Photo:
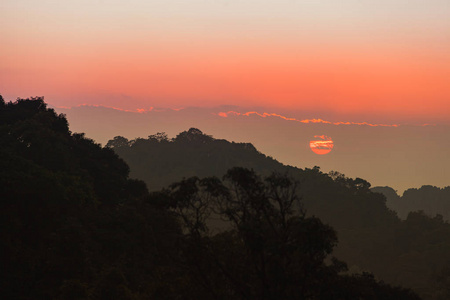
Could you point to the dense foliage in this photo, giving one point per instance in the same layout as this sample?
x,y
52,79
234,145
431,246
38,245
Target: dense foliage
x,y
159,161
265,247
372,238
74,226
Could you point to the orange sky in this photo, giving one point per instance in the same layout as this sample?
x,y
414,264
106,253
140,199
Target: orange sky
x,y
343,80
389,58
282,72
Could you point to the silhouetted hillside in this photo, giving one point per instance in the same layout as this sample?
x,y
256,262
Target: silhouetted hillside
x,y
159,161
429,199
346,203
74,226
371,236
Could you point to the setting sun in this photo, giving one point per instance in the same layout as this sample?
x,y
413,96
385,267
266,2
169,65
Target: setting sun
x,y
321,144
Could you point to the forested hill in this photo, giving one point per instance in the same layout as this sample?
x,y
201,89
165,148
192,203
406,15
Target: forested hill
x,y
74,226
429,199
344,202
413,253
159,161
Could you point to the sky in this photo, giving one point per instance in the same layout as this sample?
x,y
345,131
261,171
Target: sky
x,y
380,62
353,56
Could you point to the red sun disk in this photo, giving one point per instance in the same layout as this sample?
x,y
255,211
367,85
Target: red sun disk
x,y
321,145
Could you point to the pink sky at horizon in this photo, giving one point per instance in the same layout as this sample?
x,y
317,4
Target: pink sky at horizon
x,y
358,61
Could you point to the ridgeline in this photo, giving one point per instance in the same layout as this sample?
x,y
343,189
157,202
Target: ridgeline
x,y
74,225
414,252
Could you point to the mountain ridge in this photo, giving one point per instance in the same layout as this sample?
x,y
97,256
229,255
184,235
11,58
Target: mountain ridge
x,y
371,235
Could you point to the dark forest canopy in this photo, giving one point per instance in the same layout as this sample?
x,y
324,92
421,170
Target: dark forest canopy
x,y
371,236
266,248
73,224
159,161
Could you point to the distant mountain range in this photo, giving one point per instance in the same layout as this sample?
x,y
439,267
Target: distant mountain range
x,y
429,199
75,226
401,157
371,235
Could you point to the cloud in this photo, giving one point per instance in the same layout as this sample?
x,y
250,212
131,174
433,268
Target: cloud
x,y
232,113
305,121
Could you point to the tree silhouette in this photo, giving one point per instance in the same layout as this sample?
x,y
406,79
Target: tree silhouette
x,y
371,236
73,225
268,248
70,216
